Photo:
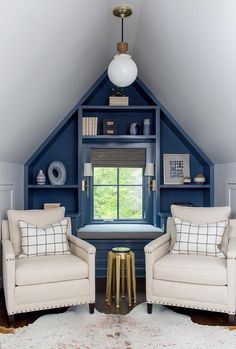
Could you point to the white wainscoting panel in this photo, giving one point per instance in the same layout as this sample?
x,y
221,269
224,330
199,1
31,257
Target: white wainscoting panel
x,y
231,198
6,199
6,203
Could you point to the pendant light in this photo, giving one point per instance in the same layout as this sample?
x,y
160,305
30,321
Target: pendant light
x,y
122,71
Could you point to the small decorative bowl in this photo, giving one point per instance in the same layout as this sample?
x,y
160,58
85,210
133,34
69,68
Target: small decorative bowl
x,y
200,179
187,180
121,249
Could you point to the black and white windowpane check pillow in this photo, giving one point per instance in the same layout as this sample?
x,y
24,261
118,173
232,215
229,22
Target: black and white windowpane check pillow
x,y
51,240
204,239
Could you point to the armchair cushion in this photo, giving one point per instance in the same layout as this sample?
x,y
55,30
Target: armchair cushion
x,y
51,240
191,269
45,269
41,218
199,239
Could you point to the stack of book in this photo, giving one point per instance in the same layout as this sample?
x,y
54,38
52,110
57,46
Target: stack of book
x,y
118,100
89,126
51,205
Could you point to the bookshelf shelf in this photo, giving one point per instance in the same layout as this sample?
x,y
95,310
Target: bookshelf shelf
x,y
118,107
48,186
185,186
119,138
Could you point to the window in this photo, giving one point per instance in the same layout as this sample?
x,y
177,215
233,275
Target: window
x,y
118,193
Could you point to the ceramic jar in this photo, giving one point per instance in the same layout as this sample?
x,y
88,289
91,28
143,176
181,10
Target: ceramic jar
x,y
200,179
146,127
41,178
187,180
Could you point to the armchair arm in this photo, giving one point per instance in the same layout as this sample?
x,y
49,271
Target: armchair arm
x,y
231,254
153,245
155,250
82,246
7,251
8,273
231,271
87,252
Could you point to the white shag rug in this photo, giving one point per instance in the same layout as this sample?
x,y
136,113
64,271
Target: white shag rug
x,y
77,329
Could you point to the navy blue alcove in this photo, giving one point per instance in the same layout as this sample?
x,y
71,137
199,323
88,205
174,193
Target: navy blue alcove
x,y
67,144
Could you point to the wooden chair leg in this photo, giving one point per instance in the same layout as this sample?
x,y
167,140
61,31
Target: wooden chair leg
x,y
231,319
149,308
11,319
91,308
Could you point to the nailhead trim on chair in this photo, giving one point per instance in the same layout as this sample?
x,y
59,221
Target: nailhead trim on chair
x,y
10,259
232,258
51,307
191,307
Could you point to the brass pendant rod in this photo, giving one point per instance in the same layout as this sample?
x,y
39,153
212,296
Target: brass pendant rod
x,y
122,28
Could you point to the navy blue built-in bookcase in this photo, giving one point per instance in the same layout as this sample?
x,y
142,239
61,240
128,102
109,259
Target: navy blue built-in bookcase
x,y
68,145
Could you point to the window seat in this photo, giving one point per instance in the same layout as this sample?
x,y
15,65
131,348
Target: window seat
x,y
119,232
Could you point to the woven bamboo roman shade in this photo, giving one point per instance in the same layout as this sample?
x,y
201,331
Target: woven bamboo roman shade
x,y
117,157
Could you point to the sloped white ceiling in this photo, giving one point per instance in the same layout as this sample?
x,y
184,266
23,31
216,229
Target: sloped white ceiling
x,y
186,54
52,51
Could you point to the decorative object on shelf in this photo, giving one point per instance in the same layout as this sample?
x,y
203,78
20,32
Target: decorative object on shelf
x,y
88,172
118,98
47,206
122,71
57,173
176,167
41,178
199,179
120,249
89,126
135,129
150,173
109,127
146,127
187,204
187,180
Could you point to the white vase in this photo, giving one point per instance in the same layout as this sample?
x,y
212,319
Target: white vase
x,y
41,178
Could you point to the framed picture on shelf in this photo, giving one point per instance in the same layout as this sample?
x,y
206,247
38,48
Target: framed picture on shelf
x,y
176,167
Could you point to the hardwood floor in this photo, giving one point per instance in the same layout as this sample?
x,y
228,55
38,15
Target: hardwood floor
x,y
197,316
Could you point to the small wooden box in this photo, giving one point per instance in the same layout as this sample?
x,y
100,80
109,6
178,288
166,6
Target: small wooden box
x,y
109,127
118,100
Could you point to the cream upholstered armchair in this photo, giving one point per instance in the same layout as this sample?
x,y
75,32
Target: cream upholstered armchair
x,y
193,281
43,282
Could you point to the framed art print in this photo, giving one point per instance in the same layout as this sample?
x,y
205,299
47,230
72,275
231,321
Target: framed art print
x,y
176,167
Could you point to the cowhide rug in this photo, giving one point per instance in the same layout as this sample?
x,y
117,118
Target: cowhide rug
x,y
77,329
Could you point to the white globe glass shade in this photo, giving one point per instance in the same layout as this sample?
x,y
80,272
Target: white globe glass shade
x,y
122,71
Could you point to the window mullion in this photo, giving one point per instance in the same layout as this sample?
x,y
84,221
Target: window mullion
x,y
118,194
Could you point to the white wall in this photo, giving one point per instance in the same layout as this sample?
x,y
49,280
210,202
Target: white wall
x,y
225,185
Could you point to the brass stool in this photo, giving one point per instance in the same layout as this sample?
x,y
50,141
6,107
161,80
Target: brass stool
x,y
120,258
